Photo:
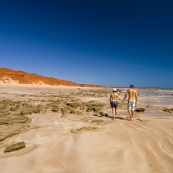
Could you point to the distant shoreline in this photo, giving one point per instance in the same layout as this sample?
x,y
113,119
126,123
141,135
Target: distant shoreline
x,y
87,86
137,87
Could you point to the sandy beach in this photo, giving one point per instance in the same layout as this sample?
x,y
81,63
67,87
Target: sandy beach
x,y
71,130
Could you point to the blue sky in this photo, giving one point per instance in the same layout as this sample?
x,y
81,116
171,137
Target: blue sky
x,y
106,42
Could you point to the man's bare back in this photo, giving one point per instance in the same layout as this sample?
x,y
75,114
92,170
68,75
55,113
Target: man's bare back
x,y
132,94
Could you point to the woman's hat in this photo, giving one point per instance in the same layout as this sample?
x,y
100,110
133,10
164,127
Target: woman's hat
x,y
114,89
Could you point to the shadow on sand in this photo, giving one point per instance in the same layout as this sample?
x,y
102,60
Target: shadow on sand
x,y
111,117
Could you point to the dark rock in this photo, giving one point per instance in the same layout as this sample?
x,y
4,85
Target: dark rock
x,y
140,109
55,109
167,110
14,147
103,114
73,105
72,111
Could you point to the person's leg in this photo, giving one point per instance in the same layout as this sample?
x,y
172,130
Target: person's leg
x,y
129,108
113,112
130,113
133,109
116,112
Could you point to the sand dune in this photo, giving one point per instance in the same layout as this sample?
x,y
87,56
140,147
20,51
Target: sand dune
x,y
144,145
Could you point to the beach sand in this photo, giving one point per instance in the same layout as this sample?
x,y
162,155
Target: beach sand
x,y
84,141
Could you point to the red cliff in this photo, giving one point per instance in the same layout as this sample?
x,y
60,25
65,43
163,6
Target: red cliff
x,y
13,76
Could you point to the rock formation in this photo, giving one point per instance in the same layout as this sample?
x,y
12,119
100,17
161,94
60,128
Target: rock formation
x,y
20,77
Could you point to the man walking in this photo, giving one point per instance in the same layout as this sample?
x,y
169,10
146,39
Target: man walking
x,y
132,100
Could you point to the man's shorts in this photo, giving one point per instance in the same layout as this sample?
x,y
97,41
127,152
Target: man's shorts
x,y
131,105
114,104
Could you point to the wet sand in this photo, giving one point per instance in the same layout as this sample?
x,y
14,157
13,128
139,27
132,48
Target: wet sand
x,y
87,142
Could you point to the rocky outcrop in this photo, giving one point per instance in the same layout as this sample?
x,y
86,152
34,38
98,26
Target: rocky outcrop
x,y
140,109
6,80
20,77
168,110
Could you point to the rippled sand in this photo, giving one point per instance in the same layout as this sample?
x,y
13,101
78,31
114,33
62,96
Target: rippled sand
x,y
144,145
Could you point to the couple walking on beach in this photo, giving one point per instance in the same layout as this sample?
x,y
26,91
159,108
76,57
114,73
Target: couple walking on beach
x,y
132,101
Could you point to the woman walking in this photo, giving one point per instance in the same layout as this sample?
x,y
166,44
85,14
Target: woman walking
x,y
114,102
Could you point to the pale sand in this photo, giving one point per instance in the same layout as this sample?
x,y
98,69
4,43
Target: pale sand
x,y
118,146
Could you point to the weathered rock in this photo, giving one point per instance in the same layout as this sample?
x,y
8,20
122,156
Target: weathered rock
x,y
13,109
140,109
55,109
99,121
72,111
84,129
103,114
73,105
14,147
167,110
63,111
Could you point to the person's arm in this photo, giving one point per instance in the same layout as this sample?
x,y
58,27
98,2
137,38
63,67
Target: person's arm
x,y
110,98
136,97
125,95
119,98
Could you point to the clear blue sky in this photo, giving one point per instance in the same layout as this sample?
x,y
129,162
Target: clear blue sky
x,y
106,42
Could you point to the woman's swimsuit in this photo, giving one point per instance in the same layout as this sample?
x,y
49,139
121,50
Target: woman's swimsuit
x,y
114,103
